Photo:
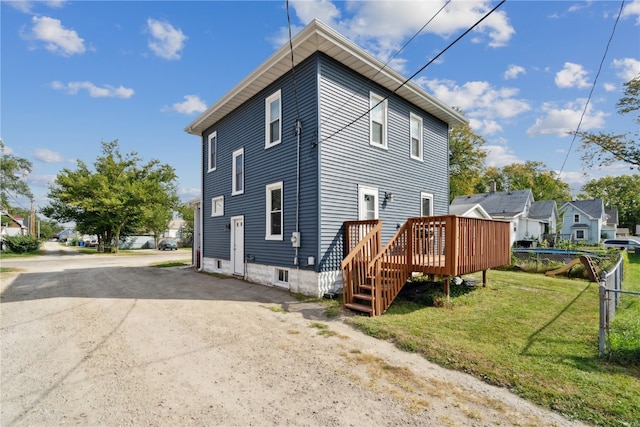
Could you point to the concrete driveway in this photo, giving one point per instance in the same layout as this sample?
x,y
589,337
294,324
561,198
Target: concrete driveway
x,y
108,340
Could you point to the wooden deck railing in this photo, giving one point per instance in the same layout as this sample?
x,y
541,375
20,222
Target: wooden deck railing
x,y
440,245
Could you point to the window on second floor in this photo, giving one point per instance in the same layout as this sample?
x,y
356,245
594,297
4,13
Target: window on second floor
x,y
378,121
416,136
273,120
576,218
213,151
274,211
237,186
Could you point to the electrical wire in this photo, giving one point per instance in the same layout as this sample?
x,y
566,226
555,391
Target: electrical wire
x,y
404,46
595,80
351,123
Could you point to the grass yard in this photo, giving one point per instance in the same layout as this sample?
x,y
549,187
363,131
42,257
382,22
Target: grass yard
x,y
535,335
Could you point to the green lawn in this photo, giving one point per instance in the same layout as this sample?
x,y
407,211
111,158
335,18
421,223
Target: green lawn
x,y
534,334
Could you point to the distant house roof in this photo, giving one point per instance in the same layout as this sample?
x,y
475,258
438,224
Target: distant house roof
x,y
468,209
593,208
612,216
543,209
503,203
318,37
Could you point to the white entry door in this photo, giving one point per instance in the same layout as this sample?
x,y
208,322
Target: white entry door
x,y
367,203
237,244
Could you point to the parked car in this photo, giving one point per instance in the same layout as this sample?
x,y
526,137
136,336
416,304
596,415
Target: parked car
x,y
167,244
626,243
90,241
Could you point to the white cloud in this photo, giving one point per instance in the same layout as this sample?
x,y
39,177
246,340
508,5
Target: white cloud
x,y
55,37
609,87
27,6
191,104
574,179
188,193
48,156
560,121
481,102
94,91
628,68
167,41
500,155
42,180
632,9
572,75
513,71
381,26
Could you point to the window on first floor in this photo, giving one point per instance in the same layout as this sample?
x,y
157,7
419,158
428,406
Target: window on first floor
x,y
237,186
426,204
217,206
274,211
579,234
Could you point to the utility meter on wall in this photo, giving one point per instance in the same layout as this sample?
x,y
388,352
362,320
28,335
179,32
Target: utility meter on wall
x,y
295,239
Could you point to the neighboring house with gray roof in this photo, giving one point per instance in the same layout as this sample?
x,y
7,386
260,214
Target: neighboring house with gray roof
x,y
610,227
583,220
530,219
472,210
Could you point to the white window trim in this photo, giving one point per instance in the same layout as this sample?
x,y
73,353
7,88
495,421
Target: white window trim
x,y
212,136
426,196
374,99
269,189
420,137
363,191
267,120
234,190
277,276
213,206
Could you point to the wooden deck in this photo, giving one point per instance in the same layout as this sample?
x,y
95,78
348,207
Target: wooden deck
x,y
444,246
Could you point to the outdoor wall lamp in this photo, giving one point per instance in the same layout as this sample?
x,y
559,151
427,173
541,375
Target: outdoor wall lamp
x,y
388,197
227,227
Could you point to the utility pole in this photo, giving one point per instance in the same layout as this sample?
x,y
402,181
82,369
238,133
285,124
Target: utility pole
x,y
32,220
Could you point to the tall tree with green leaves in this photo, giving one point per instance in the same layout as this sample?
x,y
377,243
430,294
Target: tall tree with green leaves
x,y
187,214
618,192
13,177
544,184
114,200
602,148
466,160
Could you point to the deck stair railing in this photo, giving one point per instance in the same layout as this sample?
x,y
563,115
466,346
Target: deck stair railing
x,y
445,246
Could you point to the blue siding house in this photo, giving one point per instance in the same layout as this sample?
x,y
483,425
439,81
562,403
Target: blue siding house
x,y
312,138
583,220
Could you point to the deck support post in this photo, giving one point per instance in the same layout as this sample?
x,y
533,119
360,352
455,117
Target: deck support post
x,y
446,287
484,278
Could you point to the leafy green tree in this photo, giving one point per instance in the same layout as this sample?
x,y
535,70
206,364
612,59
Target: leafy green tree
x,y
186,213
13,173
618,192
114,200
544,184
602,148
466,160
156,218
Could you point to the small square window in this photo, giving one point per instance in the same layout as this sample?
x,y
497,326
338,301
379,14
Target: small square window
x,y
576,218
217,206
238,172
283,276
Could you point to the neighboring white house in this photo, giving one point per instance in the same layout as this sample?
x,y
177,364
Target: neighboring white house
x,y
11,225
530,220
610,226
583,220
175,230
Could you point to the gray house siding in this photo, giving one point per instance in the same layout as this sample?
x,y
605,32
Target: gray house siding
x,y
245,128
348,160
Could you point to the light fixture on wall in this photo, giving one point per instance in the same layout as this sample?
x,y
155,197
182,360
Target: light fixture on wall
x,y
388,197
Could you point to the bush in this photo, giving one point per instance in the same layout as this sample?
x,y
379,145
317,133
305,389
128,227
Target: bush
x,y
22,244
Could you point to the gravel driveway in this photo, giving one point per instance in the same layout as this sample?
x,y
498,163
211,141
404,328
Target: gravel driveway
x,y
107,340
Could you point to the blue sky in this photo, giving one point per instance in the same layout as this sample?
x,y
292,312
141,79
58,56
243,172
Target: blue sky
x,y
78,73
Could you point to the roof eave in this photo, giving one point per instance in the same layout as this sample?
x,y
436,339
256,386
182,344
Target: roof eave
x,y
313,38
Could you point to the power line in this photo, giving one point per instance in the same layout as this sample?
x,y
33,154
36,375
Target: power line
x,y
586,105
393,57
416,73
